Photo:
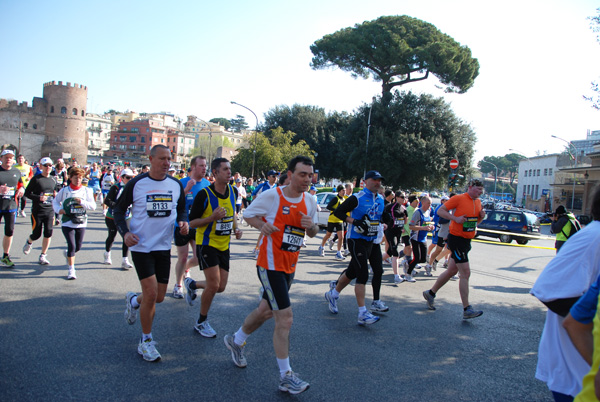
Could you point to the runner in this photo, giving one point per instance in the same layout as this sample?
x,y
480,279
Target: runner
x,y
26,175
366,208
419,227
192,185
73,202
108,180
94,175
468,213
441,250
11,189
264,186
413,202
334,224
157,201
394,216
110,200
41,191
214,217
283,216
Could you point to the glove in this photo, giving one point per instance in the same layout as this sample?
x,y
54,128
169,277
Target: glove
x,y
361,226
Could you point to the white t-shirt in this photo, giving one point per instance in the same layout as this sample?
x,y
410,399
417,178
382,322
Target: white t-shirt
x,y
241,194
570,273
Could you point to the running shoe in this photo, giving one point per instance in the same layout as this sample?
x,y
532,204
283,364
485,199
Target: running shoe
x,y
427,271
388,261
190,295
409,278
346,252
205,330
71,274
292,383
27,247
107,259
434,265
332,302
178,292
6,261
430,299
321,251
379,307
455,278
125,264
405,266
445,264
339,256
23,213
43,260
148,350
332,285
330,243
367,318
398,279
470,313
130,312
237,351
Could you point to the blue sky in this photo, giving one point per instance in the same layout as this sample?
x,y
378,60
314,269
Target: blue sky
x,y
193,57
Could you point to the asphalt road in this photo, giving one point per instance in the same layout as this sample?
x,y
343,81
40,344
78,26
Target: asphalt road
x,y
68,340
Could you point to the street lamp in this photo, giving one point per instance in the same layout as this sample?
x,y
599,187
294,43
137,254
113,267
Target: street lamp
x,y
495,176
575,149
368,130
255,131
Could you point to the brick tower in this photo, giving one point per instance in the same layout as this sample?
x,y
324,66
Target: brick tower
x,y
65,121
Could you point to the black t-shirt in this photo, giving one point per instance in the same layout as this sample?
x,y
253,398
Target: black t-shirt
x,y
11,178
38,186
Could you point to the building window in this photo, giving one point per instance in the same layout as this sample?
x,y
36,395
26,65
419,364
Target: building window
x,y
162,140
63,110
545,172
51,109
123,138
529,172
525,175
131,139
538,172
74,112
550,171
537,189
25,125
35,126
143,139
83,113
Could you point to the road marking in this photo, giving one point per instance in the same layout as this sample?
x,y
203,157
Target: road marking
x,y
512,245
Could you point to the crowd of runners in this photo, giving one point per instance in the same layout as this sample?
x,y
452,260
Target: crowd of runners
x,y
156,206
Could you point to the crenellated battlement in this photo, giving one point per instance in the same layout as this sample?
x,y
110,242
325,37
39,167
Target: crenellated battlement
x,y
68,85
14,105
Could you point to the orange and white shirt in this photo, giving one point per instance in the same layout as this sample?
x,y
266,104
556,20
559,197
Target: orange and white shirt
x,y
280,250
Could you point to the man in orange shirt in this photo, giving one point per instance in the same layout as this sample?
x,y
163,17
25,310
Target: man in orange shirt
x,y
467,214
283,215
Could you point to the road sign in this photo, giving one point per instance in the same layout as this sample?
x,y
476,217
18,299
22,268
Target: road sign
x,y
454,163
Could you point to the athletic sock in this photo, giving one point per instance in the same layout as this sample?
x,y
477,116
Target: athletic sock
x,y
335,293
146,336
362,309
431,293
202,318
5,255
284,366
240,337
134,302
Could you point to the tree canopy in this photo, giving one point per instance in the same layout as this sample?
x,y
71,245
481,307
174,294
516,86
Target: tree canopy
x,y
238,124
508,165
595,99
273,151
222,121
397,50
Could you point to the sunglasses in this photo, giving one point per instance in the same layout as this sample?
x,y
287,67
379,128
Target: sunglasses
x,y
48,165
128,177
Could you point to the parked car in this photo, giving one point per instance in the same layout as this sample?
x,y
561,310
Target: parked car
x,y
323,215
512,222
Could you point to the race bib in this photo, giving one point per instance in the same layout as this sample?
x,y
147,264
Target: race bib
x,y
159,205
470,224
373,228
10,192
223,227
49,199
399,222
292,239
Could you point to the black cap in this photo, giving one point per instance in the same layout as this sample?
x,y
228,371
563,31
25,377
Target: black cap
x,y
561,210
373,174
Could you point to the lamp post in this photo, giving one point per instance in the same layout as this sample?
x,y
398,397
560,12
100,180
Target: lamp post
x,y
574,149
255,131
495,176
368,131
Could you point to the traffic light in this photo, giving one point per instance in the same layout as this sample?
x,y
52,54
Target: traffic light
x,y
451,178
457,179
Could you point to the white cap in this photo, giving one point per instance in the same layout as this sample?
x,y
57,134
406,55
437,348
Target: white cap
x,y
127,172
45,161
7,152
172,169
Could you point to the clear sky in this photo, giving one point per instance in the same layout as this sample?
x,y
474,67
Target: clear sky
x,y
193,57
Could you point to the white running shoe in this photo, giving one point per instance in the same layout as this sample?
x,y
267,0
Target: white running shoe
x,y
292,383
107,259
367,318
339,256
237,351
130,312
190,294
409,278
205,329
379,306
178,292
321,251
398,279
346,252
125,264
23,213
434,266
332,301
148,350
71,274
330,243
43,260
27,247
